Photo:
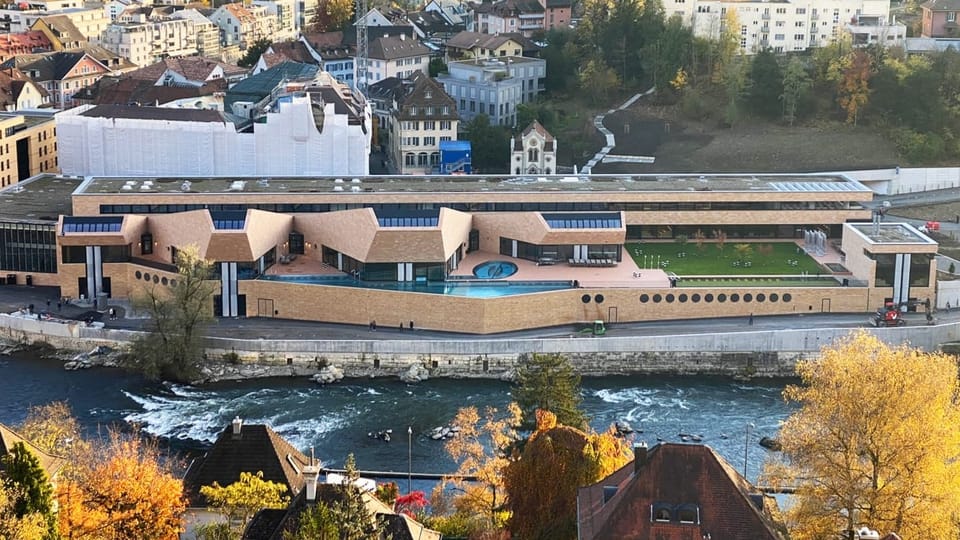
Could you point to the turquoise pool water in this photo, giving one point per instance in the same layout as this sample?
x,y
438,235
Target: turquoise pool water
x,y
473,289
494,270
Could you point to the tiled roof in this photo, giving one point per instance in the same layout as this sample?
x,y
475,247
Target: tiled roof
x,y
295,51
941,5
426,92
129,91
48,66
535,126
677,475
240,13
432,22
64,29
509,8
257,449
168,114
393,47
193,68
559,4
24,42
50,463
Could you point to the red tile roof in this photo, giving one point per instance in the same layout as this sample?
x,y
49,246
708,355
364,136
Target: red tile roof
x,y
23,43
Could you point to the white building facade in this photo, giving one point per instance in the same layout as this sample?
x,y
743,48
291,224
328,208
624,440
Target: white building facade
x,y
147,42
535,152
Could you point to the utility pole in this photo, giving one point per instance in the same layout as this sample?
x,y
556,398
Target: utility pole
x,y
746,448
409,459
360,16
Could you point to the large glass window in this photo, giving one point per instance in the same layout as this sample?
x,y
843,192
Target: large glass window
x,y
886,267
28,247
73,254
114,254
379,272
920,270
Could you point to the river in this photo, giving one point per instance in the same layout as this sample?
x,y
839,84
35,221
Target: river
x,y
336,419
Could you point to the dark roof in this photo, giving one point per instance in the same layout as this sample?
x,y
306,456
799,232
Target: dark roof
x,y
46,66
469,40
40,200
385,89
393,47
259,86
941,5
433,22
129,91
169,114
557,4
548,139
508,8
12,83
425,92
295,51
256,449
8,438
677,475
64,29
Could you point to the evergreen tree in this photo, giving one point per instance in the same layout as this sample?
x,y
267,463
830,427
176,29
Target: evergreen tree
x,y
23,469
548,382
766,84
490,143
350,511
254,51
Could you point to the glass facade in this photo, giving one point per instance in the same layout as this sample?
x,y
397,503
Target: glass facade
x,y
558,252
28,247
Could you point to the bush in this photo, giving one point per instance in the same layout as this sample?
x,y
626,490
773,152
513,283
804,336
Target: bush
x,y
919,147
231,357
694,106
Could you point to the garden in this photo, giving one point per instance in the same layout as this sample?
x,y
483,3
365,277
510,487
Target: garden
x,y
718,257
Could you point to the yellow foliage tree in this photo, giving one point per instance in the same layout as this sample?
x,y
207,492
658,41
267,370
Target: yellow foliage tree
x,y
121,490
53,428
852,76
679,81
556,460
875,442
480,449
242,499
28,527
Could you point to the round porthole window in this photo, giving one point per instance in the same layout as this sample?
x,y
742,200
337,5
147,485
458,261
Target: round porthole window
x,y
721,297
657,298
173,283
774,297
644,298
156,279
585,299
761,297
748,297
598,298
670,298
146,277
695,298
683,298
164,280
138,274
734,297
787,297
708,298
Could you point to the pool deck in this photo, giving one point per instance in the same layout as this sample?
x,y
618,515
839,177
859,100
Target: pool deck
x,y
620,276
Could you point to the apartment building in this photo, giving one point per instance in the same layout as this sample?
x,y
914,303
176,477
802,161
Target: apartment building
x,y
786,26
494,87
422,116
397,56
23,43
208,34
18,92
28,146
286,24
145,42
242,25
61,74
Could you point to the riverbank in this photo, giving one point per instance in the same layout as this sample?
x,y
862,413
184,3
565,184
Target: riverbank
x,y
746,353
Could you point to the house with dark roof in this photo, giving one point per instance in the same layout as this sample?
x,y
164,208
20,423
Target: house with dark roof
x,y
433,26
479,45
395,56
494,17
286,51
50,463
168,80
421,116
676,491
534,152
17,91
61,74
939,19
337,52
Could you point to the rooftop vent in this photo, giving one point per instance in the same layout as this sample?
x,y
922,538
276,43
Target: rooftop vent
x,y
338,188
338,181
356,180
355,189
185,186
126,187
237,185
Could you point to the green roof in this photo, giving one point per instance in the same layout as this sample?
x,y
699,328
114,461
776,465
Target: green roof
x,y
256,87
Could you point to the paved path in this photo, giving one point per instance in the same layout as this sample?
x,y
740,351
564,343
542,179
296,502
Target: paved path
x,y
611,141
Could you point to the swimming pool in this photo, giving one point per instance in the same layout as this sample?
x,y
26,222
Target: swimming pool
x,y
472,289
494,270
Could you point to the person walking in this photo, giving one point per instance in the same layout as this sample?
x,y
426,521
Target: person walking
x,y
750,320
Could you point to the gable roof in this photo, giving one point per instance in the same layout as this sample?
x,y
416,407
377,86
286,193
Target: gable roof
x,y
256,448
393,47
8,438
295,51
536,127
63,29
240,12
48,66
31,41
677,475
193,68
425,92
508,8
941,5
469,40
127,90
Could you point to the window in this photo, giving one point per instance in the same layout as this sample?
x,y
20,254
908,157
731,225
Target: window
x,y
429,141
445,124
778,37
798,37
429,125
802,11
445,139
781,11
951,16
410,160
688,513
798,24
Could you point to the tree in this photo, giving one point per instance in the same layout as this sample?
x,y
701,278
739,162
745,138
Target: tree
x,y
699,238
542,484
52,427
178,315
14,527
121,489
491,144
796,83
743,251
667,56
727,46
853,83
721,238
734,82
560,56
874,441
548,382
242,499
481,450
332,15
598,81
34,494
437,66
316,522
350,510
766,84
253,53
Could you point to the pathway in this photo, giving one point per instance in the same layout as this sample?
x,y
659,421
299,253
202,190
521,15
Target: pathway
x,y
611,141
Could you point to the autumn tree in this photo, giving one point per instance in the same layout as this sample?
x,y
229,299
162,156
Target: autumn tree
x,y
242,499
852,73
796,83
556,461
17,527
171,349
548,382
874,442
333,15
34,494
598,81
743,251
481,449
699,238
721,240
123,488
727,47
53,428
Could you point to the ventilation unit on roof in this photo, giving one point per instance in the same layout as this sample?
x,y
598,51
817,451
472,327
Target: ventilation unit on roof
x,y
185,186
338,188
237,185
338,181
126,187
356,180
355,189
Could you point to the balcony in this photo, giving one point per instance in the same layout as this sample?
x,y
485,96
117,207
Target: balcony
x,y
766,16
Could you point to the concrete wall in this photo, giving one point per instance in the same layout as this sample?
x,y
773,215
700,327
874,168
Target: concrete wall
x,y
908,180
751,353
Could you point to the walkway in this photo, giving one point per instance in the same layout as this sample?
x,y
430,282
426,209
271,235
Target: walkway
x,y
611,141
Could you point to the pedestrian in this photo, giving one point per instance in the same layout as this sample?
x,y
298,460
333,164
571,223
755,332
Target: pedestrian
x,y
113,314
401,326
750,321
411,325
373,326
48,305
948,307
59,305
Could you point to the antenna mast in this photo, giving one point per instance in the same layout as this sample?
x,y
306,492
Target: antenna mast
x,y
360,14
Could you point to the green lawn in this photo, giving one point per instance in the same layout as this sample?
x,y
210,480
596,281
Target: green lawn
x,y
759,282
708,260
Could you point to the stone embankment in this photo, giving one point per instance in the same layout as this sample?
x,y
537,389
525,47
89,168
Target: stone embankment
x,y
759,353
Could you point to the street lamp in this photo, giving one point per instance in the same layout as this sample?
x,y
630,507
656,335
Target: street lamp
x,y
746,448
409,459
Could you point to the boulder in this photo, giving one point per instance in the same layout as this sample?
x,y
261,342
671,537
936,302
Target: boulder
x,y
770,443
328,375
414,374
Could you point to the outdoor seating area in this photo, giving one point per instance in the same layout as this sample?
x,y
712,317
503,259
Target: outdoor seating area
x,y
593,263
287,259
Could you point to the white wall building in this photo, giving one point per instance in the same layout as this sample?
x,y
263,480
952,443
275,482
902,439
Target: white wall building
x,y
287,139
243,25
535,152
395,56
287,26
146,42
208,34
784,26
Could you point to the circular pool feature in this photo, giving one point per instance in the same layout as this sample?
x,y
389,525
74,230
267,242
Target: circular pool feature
x,y
494,270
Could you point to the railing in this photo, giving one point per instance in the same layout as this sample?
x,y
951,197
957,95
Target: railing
x,y
155,265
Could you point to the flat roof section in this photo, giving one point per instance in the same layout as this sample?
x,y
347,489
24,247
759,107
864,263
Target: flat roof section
x,y
891,233
767,183
40,199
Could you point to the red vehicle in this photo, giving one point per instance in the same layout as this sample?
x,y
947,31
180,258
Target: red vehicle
x,y
888,315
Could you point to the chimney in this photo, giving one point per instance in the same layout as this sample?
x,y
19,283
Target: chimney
x,y
237,424
639,456
310,474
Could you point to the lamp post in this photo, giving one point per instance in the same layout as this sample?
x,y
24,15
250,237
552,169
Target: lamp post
x,y
409,459
746,448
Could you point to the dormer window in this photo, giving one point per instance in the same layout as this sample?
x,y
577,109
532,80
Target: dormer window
x,y
428,94
413,110
662,513
688,513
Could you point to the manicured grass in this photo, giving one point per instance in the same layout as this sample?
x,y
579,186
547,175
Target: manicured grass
x,y
758,282
710,261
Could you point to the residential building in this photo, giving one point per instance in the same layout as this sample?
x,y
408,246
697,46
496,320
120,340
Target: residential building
x,y
61,32
782,26
939,19
395,56
243,25
29,42
500,16
208,34
145,42
18,92
388,244
452,10
382,96
28,146
422,115
494,87
534,152
871,30
557,13
61,74
286,26
479,45
286,51
433,27
676,491
88,22
306,14
313,128
337,56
